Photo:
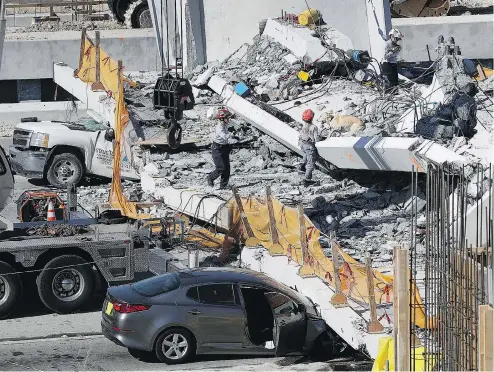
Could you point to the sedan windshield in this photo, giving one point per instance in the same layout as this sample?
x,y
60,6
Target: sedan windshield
x,y
157,285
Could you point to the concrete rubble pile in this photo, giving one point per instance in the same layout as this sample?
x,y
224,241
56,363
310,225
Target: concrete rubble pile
x,y
366,209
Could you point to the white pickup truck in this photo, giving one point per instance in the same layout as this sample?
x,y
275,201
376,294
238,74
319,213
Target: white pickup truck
x,y
6,180
64,152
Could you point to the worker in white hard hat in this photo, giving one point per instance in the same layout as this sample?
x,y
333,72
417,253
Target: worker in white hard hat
x,y
391,51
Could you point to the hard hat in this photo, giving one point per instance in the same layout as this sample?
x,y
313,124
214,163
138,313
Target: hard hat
x,y
308,115
223,114
396,33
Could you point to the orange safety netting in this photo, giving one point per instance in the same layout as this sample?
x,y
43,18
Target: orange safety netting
x,y
112,81
352,274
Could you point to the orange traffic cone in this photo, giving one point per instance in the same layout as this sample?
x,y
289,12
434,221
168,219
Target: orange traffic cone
x,y
51,212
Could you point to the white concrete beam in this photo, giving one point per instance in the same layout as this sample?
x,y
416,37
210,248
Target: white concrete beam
x,y
373,153
379,25
99,102
302,44
256,116
191,202
342,320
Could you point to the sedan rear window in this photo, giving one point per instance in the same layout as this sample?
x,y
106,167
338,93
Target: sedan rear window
x,y
157,285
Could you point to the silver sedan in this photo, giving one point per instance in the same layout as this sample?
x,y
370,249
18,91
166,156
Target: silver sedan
x,y
213,311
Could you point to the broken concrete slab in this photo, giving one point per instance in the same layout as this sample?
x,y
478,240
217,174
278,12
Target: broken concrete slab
x,y
255,115
192,202
302,44
342,320
373,153
104,106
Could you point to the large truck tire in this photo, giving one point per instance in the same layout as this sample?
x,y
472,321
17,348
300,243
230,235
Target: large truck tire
x,y
10,289
64,169
118,9
66,284
138,15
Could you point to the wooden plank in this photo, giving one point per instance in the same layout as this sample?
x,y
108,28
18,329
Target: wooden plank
x,y
338,299
97,86
481,72
374,326
306,271
81,52
276,248
251,241
486,331
401,305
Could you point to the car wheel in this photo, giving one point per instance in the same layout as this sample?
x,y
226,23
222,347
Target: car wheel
x,y
10,289
175,346
64,169
66,284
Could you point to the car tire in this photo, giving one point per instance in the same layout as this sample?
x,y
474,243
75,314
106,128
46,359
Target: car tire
x,y
10,289
176,336
68,163
66,284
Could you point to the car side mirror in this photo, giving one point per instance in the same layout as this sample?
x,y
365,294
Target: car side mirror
x,y
110,135
301,308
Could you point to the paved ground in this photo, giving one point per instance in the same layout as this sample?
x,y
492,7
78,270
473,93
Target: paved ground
x,y
98,354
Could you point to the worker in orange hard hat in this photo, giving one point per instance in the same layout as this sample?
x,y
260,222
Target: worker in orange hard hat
x,y
220,149
307,141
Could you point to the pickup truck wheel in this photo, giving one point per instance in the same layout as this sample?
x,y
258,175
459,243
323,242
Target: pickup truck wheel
x,y
64,169
66,284
10,289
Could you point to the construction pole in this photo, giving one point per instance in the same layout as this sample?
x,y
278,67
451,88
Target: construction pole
x,y
251,241
401,306
338,299
306,271
81,51
276,248
374,325
3,27
97,85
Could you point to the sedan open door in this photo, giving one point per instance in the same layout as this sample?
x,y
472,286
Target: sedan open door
x,y
290,323
6,180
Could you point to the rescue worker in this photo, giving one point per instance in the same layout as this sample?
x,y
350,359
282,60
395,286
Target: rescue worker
x,y
307,141
391,51
220,150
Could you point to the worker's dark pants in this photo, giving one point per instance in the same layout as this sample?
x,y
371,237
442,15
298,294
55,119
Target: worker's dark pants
x,y
221,159
309,157
390,70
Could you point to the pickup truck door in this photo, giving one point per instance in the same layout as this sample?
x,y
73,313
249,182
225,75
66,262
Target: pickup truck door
x,y
102,161
6,180
290,323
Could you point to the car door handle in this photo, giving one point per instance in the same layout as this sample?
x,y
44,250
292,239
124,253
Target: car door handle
x,y
194,312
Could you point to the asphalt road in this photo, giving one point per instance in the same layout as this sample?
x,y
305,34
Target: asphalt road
x,y
96,353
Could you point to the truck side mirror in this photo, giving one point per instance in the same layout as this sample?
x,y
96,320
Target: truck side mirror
x,y
110,135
